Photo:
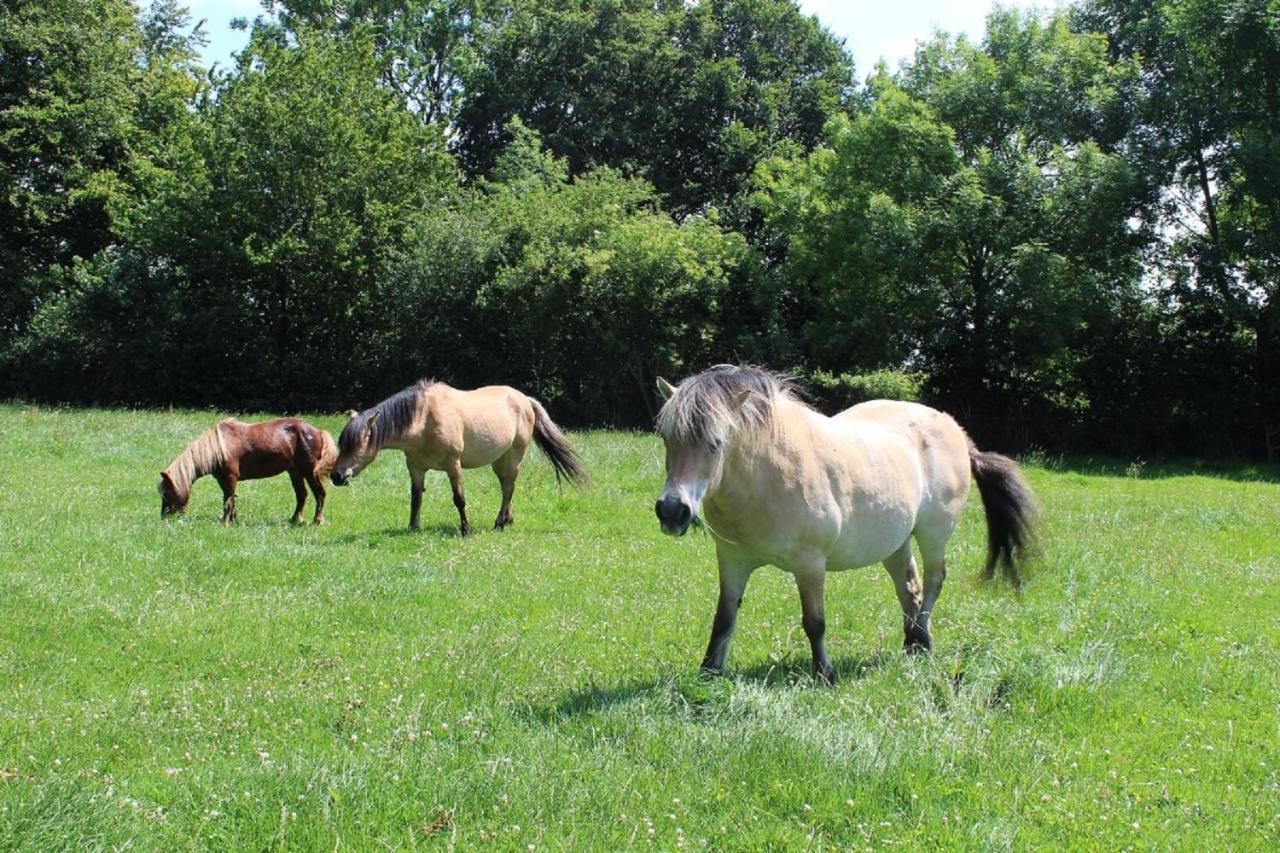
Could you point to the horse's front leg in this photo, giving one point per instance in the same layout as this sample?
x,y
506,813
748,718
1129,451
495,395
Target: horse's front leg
x,y
811,582
299,492
416,476
733,582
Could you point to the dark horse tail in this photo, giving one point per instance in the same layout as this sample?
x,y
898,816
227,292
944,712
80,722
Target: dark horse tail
x,y
1011,511
559,452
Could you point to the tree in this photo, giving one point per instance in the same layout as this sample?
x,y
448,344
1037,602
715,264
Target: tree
x,y
1209,115
426,47
67,123
689,96
966,225
581,290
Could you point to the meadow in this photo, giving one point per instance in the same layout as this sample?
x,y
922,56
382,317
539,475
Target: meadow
x,y
179,685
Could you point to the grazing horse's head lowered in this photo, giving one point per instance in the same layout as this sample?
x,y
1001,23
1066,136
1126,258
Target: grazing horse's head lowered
x,y
442,428
357,446
369,431
172,501
698,423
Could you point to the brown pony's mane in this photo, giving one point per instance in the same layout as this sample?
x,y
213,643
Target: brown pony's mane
x,y
395,415
705,406
202,456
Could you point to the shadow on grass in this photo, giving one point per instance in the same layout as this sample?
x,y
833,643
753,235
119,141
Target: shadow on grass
x,y
1155,468
696,694
439,530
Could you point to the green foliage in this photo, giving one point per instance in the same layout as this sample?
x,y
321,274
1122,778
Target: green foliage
x,y
690,96
958,223
1070,225
834,392
579,290
67,124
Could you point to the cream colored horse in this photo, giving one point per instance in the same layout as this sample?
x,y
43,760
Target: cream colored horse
x,y
443,429
778,483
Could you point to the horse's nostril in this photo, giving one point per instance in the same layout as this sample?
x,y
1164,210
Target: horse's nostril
x,y
672,510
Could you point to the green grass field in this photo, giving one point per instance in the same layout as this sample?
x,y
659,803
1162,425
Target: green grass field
x,y
177,685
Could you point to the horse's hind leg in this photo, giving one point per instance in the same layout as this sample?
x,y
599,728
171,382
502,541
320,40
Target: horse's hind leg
x,y
228,483
906,582
507,468
300,492
454,470
933,548
317,489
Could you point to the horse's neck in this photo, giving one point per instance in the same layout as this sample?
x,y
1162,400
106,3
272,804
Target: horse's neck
x,y
411,436
765,459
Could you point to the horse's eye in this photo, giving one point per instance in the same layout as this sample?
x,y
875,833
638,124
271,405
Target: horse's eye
x,y
715,444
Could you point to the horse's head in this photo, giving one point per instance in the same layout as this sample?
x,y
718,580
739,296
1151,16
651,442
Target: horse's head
x,y
696,436
356,447
172,501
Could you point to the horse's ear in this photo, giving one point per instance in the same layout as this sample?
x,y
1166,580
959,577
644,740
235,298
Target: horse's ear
x,y
373,419
741,400
665,388
164,475
352,414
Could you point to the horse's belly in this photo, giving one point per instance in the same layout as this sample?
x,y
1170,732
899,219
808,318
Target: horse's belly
x,y
864,540
482,450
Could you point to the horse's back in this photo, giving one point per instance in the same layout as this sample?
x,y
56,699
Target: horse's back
x,y
268,448
481,424
940,445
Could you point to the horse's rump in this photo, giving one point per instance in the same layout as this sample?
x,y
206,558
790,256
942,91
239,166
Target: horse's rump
x,y
328,452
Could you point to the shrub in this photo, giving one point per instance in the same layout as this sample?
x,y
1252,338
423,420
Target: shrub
x,y
833,392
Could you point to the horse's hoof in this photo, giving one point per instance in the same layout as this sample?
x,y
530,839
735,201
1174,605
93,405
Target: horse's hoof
x,y
825,675
917,647
466,529
319,519
297,521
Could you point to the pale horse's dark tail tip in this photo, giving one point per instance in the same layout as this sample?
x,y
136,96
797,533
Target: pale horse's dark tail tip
x,y
1012,512
552,442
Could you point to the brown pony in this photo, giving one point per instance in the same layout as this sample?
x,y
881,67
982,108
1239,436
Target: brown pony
x,y
233,451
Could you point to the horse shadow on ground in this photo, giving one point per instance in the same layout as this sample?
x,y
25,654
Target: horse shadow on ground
x,y
439,530
700,695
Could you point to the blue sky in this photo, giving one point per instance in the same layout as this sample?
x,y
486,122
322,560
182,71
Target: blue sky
x,y
871,28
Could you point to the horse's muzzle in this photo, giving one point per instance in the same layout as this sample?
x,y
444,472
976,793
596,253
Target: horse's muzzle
x,y
339,478
673,514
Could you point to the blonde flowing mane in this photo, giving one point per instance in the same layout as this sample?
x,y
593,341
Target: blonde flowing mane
x,y
202,456
705,407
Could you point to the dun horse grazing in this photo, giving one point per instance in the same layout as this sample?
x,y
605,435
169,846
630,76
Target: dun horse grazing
x,y
443,429
233,451
778,483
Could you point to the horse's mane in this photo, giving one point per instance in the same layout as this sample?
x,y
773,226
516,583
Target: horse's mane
x,y
202,456
705,405
396,414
